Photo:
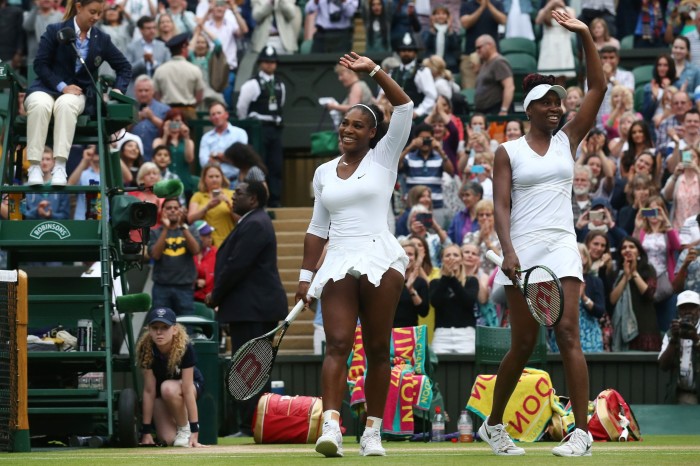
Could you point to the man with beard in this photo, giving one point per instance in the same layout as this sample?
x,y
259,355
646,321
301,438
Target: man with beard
x,y
247,286
415,80
581,200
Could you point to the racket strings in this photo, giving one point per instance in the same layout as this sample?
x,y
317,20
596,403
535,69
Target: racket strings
x,y
250,369
544,296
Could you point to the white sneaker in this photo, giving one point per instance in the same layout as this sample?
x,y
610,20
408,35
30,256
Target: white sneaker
x,y
499,440
371,443
182,438
330,443
35,176
58,176
578,443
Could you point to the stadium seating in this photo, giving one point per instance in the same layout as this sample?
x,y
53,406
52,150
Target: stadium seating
x,y
518,45
642,74
492,344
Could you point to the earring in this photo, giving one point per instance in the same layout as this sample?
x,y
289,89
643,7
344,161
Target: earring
x,y
639,258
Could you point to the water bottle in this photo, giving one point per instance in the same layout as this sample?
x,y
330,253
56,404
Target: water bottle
x,y
465,428
438,433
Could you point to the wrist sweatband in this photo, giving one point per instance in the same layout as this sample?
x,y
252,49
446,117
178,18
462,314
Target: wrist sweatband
x,y
305,275
374,71
146,429
194,427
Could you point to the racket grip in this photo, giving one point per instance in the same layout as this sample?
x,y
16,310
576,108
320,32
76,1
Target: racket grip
x,y
493,257
298,307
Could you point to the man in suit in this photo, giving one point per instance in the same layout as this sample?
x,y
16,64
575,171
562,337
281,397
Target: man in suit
x,y
247,286
63,85
147,53
277,24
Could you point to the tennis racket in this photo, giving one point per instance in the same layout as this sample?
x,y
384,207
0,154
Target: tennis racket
x,y
251,366
542,290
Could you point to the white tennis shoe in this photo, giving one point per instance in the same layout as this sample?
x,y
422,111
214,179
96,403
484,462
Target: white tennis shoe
x,y
182,438
58,176
578,443
498,439
330,443
35,176
371,443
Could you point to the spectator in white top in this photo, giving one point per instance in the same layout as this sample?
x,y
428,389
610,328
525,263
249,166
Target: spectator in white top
x,y
278,23
183,20
694,38
41,15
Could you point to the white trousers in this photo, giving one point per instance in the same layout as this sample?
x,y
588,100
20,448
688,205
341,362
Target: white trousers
x,y
454,340
319,339
65,110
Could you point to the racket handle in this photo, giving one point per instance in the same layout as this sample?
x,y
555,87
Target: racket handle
x,y
493,257
298,307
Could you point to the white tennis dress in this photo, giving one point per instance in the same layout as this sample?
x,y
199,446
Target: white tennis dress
x,y
541,217
352,212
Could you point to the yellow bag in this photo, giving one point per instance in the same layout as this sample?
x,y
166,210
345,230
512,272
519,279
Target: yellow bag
x,y
529,410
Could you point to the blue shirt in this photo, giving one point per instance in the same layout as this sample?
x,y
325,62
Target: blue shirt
x,y
83,47
59,205
147,131
213,142
427,172
80,206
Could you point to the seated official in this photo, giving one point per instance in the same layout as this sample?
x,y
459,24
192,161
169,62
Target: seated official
x,y
63,86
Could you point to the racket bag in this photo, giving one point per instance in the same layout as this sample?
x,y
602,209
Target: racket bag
x,y
612,419
287,419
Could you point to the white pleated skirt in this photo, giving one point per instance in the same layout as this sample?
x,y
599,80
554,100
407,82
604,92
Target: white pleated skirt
x,y
370,255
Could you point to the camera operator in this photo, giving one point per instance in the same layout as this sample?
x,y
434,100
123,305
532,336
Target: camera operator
x,y
680,351
423,162
333,25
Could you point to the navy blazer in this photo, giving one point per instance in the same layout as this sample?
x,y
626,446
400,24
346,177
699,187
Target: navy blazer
x,y
247,284
55,62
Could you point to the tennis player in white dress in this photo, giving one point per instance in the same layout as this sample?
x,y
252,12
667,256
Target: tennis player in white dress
x,y
533,179
362,274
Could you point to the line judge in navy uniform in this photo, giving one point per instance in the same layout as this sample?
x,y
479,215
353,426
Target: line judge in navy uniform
x,y
262,97
415,80
64,88
247,286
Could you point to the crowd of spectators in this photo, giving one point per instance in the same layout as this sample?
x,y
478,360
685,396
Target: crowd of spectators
x,y
636,194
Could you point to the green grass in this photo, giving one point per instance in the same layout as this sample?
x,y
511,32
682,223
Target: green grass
x,y
654,450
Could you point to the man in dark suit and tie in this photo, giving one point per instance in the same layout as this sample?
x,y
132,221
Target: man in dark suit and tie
x,y
63,86
247,286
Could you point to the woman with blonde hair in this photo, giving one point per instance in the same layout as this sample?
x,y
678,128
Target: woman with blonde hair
x,y
454,296
444,82
485,237
601,34
214,203
662,245
166,27
171,382
621,101
358,92
147,176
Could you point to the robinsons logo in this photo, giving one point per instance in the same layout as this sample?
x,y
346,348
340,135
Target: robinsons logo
x,y
49,227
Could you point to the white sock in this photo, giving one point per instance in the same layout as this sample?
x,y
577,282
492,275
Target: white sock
x,y
186,427
376,423
60,162
328,416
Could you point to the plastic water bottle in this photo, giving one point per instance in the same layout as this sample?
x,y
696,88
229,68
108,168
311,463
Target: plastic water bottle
x,y
465,428
438,433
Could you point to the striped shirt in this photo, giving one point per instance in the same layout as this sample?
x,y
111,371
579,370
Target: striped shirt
x,y
427,172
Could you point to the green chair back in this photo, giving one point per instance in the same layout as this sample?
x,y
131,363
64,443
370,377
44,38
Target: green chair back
x,y
638,98
642,75
518,45
492,344
201,310
627,42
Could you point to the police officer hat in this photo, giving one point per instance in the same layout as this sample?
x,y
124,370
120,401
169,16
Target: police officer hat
x,y
177,40
268,54
408,42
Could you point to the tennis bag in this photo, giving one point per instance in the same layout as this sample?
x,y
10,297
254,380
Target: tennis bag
x,y
613,419
287,419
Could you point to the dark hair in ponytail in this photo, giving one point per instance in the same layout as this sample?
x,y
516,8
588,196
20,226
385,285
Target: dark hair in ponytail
x,y
533,80
382,126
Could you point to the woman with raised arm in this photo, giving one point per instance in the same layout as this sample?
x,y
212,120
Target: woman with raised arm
x,y
532,181
363,272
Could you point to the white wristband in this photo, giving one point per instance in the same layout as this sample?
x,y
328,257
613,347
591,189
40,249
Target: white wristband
x,y
374,71
305,275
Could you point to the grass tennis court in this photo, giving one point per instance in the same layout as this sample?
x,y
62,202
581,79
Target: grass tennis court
x,y
654,450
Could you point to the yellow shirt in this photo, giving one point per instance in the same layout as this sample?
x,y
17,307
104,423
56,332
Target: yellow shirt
x,y
219,217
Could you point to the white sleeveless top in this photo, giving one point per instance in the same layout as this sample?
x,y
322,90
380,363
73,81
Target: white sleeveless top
x,y
541,217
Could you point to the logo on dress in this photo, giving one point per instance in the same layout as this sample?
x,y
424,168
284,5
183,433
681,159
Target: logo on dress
x,y
49,227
